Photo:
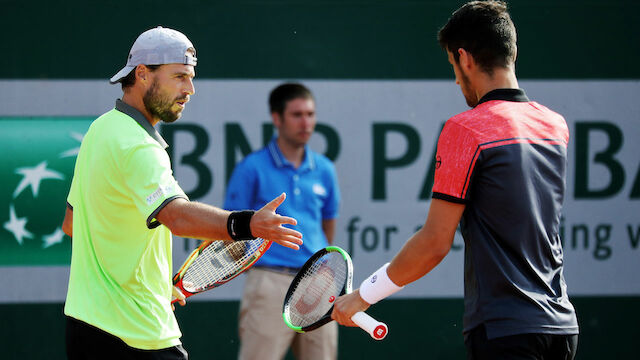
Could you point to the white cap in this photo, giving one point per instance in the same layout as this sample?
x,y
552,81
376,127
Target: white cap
x,y
156,47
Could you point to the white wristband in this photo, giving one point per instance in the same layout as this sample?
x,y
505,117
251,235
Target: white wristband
x,y
378,286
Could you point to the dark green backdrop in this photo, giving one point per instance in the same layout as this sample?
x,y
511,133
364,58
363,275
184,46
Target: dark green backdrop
x,y
418,329
343,39
324,39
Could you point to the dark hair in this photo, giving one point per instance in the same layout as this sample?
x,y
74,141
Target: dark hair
x,y
485,30
130,79
286,92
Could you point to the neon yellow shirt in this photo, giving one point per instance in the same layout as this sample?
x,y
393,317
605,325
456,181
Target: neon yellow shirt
x,y
120,278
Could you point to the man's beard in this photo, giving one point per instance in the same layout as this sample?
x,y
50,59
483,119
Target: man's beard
x,y
467,91
158,106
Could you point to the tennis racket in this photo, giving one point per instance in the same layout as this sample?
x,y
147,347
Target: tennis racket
x,y
309,301
217,262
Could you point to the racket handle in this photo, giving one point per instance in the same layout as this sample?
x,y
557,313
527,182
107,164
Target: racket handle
x,y
375,328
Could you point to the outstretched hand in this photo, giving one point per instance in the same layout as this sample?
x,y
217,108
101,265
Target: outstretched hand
x,y
266,224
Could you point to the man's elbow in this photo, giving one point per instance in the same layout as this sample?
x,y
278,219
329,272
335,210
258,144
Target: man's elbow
x,y
178,227
436,249
172,216
67,229
441,251
67,223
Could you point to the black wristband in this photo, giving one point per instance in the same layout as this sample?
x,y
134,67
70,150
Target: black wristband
x,y
238,225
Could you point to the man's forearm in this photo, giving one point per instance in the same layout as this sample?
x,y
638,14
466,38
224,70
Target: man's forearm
x,y
418,256
195,220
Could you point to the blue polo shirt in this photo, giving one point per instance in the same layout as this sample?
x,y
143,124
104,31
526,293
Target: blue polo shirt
x,y
312,196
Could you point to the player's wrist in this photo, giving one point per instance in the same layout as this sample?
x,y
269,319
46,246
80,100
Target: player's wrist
x,y
378,286
364,305
239,225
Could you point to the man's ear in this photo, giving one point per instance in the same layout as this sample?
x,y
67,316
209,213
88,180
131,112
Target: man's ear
x,y
466,60
277,119
142,72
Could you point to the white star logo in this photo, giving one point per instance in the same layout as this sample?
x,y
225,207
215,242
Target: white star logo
x,y
16,226
33,176
54,238
76,150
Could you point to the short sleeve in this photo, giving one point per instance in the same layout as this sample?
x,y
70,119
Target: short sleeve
x,y
72,197
149,178
456,155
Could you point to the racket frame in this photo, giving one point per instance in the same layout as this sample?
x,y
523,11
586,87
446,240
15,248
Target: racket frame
x,y
178,277
296,280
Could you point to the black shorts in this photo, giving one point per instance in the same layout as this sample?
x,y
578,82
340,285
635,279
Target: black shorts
x,y
521,346
87,342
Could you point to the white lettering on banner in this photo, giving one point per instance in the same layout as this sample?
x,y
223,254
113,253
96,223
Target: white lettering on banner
x,y
387,131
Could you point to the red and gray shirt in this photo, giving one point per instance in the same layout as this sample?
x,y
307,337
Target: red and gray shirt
x,y
506,161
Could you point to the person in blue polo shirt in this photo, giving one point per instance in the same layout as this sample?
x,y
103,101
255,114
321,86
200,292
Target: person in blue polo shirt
x,y
309,179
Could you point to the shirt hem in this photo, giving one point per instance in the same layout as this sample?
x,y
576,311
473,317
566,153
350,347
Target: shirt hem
x,y
449,198
152,222
497,331
140,345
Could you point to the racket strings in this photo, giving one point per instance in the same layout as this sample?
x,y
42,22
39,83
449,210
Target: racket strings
x,y
315,293
218,262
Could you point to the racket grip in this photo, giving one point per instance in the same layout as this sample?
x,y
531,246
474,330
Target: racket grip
x,y
375,328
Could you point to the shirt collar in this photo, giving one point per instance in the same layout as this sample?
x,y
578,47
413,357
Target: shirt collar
x,y
516,95
281,161
140,119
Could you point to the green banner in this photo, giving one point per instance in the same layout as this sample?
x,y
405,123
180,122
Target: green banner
x,y
35,175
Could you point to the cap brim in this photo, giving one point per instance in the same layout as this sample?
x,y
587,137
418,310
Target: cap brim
x,y
121,74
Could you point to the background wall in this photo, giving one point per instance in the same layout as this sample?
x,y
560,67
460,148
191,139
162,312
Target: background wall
x,y
347,39
375,66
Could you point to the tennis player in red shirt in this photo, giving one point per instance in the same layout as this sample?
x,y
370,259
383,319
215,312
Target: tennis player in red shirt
x,y
500,174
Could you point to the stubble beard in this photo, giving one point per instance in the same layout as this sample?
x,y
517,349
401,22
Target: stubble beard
x,y
466,91
158,106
